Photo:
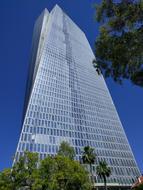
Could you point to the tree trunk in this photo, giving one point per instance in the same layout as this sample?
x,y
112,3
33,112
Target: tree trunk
x,y
105,183
92,176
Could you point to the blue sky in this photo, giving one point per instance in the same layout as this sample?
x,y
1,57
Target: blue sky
x,y
17,21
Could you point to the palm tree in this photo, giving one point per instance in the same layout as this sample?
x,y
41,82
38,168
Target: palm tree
x,y
88,157
103,171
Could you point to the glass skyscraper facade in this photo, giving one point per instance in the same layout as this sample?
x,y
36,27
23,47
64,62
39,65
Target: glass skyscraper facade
x,y
66,100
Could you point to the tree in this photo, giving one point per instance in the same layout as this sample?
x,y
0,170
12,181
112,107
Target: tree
x,y
66,150
22,175
119,47
62,173
103,171
6,180
139,187
53,173
24,171
88,157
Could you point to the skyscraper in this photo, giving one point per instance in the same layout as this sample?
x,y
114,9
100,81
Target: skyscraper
x,y
66,99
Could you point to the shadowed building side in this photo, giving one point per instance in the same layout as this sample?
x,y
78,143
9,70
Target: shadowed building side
x,y
39,35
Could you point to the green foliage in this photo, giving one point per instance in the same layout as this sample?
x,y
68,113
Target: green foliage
x,y
60,172
66,150
6,180
140,187
89,155
22,175
103,171
119,47
23,172
52,173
